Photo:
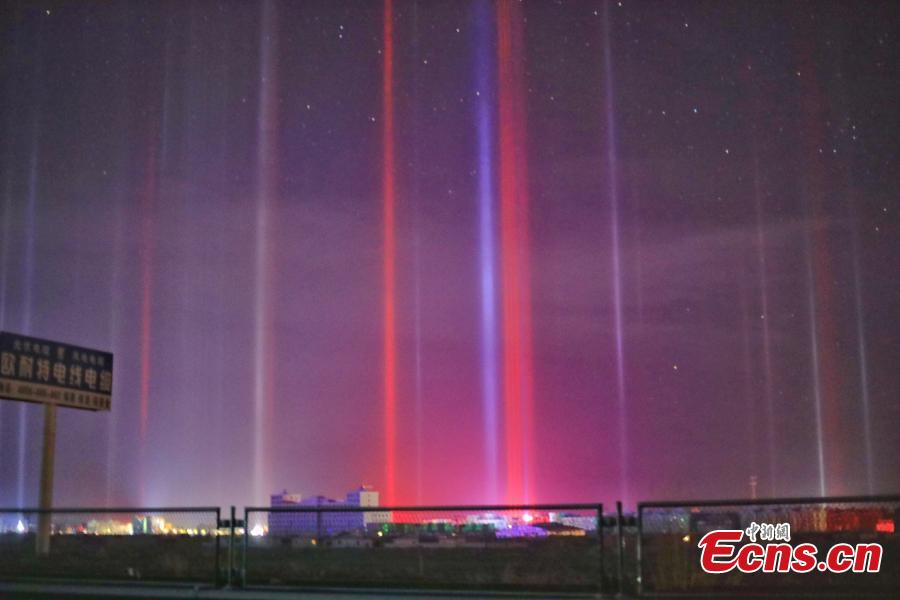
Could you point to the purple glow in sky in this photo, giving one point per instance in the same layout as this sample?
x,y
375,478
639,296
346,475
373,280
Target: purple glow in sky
x,y
706,288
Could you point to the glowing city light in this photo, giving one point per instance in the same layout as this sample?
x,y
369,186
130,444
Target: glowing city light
x,y
514,263
390,399
613,200
265,202
147,251
487,249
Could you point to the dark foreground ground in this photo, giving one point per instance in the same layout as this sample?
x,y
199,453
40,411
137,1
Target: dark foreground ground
x,y
16,591
38,591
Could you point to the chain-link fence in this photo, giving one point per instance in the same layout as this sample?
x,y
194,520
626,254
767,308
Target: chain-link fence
x,y
540,547
112,544
669,555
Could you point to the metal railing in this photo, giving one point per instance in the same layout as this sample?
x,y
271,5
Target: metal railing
x,y
157,544
668,556
540,547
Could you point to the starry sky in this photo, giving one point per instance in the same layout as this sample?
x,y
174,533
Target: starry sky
x,y
464,251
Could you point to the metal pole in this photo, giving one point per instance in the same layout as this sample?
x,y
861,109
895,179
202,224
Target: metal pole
x,y
620,570
215,533
246,547
46,493
231,549
600,539
640,550
318,525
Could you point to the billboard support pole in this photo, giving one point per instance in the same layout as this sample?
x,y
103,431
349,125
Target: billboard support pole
x,y
46,493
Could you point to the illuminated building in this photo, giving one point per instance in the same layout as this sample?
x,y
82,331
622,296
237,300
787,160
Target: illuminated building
x,y
521,531
325,523
560,530
109,527
588,523
140,524
491,520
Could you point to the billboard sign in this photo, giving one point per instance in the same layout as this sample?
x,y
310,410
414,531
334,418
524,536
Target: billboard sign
x,y
36,370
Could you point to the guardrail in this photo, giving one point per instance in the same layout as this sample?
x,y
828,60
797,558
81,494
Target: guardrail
x,y
668,557
540,547
162,544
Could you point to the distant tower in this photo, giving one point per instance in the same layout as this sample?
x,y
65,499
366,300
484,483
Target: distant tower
x,y
365,495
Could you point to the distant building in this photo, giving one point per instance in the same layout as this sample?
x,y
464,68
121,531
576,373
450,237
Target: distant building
x,y
521,531
489,520
586,522
325,523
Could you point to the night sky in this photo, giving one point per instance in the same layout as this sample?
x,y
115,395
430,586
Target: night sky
x,y
463,251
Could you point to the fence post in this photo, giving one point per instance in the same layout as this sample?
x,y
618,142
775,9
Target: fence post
x,y
640,550
620,541
231,549
246,547
218,576
600,539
